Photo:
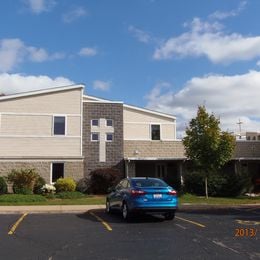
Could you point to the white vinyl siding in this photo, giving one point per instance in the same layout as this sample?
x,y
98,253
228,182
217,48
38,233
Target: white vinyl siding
x,y
27,125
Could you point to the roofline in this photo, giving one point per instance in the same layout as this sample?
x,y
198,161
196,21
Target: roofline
x,y
155,158
42,91
150,111
99,100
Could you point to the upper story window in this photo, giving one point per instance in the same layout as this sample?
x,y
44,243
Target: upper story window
x,y
95,122
155,132
109,122
59,125
109,137
95,137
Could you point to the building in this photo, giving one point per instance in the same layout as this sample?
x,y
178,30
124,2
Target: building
x,y
42,130
62,132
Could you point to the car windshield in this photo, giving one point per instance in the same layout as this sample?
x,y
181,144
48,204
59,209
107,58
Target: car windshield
x,y
139,183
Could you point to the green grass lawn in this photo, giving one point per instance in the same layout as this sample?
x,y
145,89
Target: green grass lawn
x,y
18,199
193,199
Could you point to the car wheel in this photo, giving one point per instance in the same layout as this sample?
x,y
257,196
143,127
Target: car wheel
x,y
169,215
108,207
125,211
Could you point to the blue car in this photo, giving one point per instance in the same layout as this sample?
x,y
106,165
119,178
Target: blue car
x,y
142,195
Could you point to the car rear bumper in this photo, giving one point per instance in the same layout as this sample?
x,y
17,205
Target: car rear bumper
x,y
154,210
137,205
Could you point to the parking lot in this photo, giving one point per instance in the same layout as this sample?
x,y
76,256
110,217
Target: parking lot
x,y
194,234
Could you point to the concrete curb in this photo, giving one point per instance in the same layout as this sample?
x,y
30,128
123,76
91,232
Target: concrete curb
x,y
84,208
49,209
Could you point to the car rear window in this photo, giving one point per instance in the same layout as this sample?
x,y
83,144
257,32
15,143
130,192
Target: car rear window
x,y
148,183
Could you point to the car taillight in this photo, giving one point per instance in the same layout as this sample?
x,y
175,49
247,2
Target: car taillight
x,y
172,192
137,192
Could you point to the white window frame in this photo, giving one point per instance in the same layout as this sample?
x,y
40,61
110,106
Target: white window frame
x,y
112,137
111,121
160,125
51,182
66,124
91,123
95,140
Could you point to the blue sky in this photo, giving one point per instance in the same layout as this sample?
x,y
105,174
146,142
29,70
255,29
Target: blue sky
x,y
166,55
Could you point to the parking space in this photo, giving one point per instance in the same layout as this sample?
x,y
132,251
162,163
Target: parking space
x,y
196,234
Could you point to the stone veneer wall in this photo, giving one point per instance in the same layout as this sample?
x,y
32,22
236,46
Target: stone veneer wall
x,y
154,149
114,149
247,149
72,169
175,149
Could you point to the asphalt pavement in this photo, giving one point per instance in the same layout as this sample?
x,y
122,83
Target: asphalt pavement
x,y
90,233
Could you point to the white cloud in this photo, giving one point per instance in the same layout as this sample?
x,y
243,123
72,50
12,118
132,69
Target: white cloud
x,y
139,34
74,14
101,85
220,15
16,83
88,52
230,97
14,51
207,39
39,6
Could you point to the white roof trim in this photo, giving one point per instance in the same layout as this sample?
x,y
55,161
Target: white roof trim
x,y
106,102
41,91
96,99
155,158
150,111
100,100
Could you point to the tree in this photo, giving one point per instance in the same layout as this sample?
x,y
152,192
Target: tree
x,y
206,145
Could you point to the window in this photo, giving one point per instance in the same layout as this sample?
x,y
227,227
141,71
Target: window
x,y
57,171
258,137
248,138
109,122
161,171
155,132
95,122
109,137
59,123
94,136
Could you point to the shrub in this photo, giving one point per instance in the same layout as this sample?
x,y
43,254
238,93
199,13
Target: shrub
x,y
219,184
3,186
40,182
70,195
65,184
83,185
102,179
23,180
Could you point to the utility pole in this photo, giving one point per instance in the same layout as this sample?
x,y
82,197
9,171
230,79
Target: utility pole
x,y
239,125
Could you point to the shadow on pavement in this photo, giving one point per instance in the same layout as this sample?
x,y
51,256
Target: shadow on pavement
x,y
115,217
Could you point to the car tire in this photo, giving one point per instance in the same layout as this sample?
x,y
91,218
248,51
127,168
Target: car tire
x,y
169,215
125,211
108,207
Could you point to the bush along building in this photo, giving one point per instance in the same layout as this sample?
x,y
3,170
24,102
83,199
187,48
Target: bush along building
x,y
63,133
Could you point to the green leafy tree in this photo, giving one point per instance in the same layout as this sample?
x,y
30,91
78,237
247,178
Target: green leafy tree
x,y
206,145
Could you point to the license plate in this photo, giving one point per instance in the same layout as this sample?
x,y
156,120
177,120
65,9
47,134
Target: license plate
x,y
157,196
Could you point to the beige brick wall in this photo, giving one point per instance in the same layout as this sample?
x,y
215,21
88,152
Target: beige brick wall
x,y
155,149
72,169
175,149
247,149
